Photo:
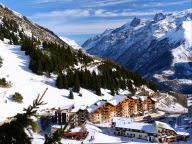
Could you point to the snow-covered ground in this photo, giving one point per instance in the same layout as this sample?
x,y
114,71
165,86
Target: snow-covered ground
x,y
70,42
100,135
169,105
15,69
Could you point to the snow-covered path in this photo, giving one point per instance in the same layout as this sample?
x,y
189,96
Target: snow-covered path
x,y
15,69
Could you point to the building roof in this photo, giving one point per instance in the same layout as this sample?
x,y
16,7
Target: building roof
x,y
117,99
122,119
57,126
96,105
142,98
163,125
66,107
78,107
154,99
181,132
130,124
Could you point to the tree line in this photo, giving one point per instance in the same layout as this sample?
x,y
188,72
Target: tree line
x,y
110,76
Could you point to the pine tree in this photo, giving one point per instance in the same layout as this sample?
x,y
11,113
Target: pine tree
x,y
65,82
97,89
14,132
76,84
59,82
71,96
112,92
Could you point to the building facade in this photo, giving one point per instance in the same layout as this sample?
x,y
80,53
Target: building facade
x,y
101,112
74,116
120,106
157,132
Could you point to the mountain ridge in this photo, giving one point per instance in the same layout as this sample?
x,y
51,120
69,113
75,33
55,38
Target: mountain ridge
x,y
150,48
28,27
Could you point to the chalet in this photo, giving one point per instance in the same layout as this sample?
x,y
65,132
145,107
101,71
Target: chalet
x,y
156,132
82,114
63,115
143,104
77,116
120,106
101,112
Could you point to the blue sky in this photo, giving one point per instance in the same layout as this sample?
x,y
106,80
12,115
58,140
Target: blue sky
x,y
81,19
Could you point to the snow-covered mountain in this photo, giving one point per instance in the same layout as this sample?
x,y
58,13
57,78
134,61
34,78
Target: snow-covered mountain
x,y
160,48
27,27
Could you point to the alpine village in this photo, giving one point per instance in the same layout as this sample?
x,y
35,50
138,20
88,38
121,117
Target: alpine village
x,y
53,92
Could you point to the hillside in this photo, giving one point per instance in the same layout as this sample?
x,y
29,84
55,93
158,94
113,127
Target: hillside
x,y
15,69
158,49
21,26
29,65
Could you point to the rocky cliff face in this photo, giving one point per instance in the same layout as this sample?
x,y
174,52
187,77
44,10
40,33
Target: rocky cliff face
x,y
159,49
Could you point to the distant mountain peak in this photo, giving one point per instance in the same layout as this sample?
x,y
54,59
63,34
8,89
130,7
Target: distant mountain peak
x,y
159,16
136,21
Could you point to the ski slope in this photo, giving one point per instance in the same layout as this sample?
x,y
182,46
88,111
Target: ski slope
x,y
15,69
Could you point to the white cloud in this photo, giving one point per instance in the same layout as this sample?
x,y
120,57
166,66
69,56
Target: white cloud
x,y
159,4
59,21
91,3
125,13
65,13
50,1
111,2
91,27
70,13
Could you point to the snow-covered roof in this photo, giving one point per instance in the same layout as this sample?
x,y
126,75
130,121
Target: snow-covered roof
x,y
117,99
142,98
154,99
57,126
130,124
181,131
96,105
66,107
122,119
78,107
76,129
163,125
134,97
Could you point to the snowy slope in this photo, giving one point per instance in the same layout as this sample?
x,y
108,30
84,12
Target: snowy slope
x,y
160,47
70,42
15,69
